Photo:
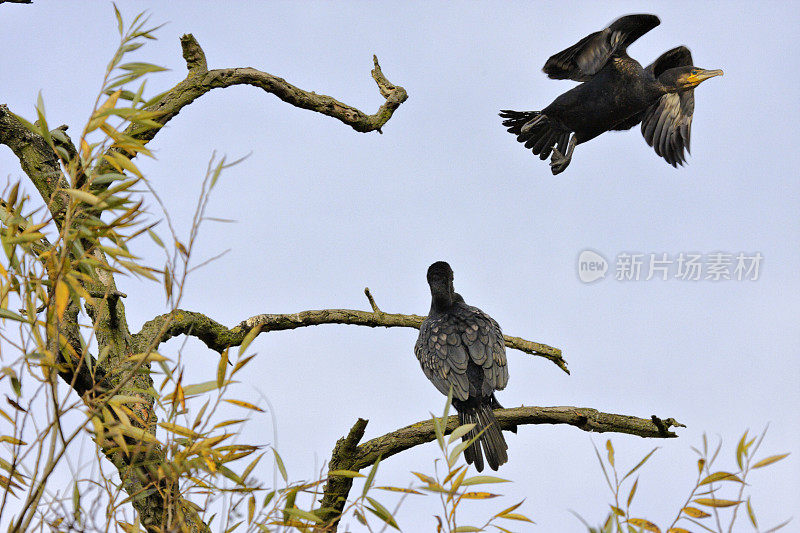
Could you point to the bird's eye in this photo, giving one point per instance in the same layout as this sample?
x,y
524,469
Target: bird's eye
x,y
695,72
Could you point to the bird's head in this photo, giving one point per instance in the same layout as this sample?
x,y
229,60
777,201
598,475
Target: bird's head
x,y
685,78
440,279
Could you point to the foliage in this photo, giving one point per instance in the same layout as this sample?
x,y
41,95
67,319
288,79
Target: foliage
x,y
453,487
713,503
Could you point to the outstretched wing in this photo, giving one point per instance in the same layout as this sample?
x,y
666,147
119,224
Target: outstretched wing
x,y
584,59
667,124
463,350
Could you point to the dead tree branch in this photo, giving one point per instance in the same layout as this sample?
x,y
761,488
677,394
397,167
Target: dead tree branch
x,y
349,455
219,337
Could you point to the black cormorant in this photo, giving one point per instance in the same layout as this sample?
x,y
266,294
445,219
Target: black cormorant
x,y
462,347
616,94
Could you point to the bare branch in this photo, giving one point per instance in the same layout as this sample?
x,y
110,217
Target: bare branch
x,y
584,418
218,337
335,492
200,80
346,456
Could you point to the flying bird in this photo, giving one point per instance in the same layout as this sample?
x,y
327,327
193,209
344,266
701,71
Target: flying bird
x,y
616,94
462,348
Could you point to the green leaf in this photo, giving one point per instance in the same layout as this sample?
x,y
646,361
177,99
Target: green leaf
x,y
479,480
279,462
299,513
459,432
139,67
155,238
119,19
5,313
639,465
381,512
370,477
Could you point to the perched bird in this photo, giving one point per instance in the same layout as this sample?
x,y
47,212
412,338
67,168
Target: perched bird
x,y
616,94
462,347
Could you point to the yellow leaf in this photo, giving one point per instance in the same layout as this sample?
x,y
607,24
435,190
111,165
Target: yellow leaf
x,y
246,405
695,512
769,460
479,495
147,357
610,448
645,524
222,367
398,489
515,516
678,530
12,441
83,196
126,163
714,502
720,476
62,298
180,430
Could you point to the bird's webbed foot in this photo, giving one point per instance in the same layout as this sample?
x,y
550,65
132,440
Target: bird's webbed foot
x,y
559,162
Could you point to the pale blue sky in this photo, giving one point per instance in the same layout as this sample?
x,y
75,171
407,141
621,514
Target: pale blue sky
x,y
324,211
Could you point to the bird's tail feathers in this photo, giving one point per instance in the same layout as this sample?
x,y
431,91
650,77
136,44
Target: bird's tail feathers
x,y
472,454
537,131
494,445
490,437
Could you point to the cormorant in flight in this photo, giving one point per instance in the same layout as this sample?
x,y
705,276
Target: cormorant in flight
x,y
616,94
462,347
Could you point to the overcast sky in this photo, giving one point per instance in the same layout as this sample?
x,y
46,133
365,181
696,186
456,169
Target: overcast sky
x,y
323,211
